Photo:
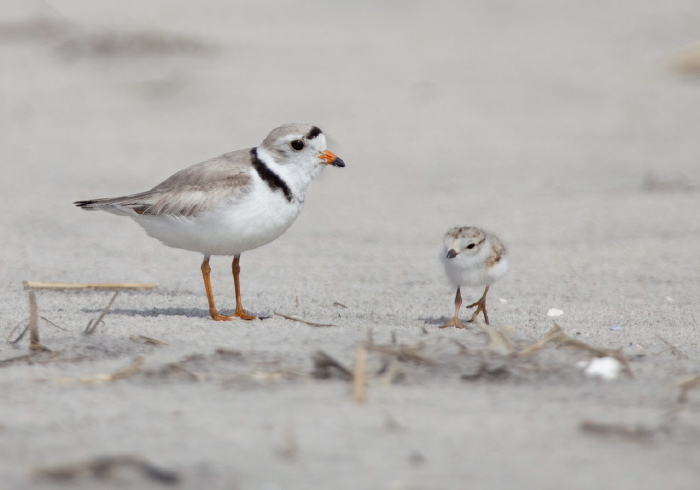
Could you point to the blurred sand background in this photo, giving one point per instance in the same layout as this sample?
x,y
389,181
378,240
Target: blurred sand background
x,y
571,129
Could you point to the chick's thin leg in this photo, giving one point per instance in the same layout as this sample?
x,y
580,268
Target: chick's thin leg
x,y
480,307
455,321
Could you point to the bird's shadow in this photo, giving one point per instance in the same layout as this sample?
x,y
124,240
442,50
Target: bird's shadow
x,y
154,312
431,320
442,320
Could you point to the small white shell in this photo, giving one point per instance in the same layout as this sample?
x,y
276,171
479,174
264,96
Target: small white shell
x,y
606,368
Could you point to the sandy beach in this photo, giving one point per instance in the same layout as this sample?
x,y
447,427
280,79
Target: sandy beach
x,y
569,129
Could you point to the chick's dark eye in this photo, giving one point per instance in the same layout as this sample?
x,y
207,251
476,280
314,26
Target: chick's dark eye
x,y
471,245
297,145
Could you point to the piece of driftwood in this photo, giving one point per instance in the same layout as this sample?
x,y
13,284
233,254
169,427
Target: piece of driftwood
x,y
80,285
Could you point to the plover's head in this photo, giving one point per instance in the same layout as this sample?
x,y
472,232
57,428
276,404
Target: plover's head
x,y
466,241
302,145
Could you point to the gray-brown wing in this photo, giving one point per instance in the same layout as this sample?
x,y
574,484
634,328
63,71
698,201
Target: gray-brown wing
x,y
188,192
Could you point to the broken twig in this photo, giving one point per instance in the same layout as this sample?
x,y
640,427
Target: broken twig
x,y
358,378
147,340
486,371
323,364
498,340
11,360
102,467
13,337
674,350
34,344
313,324
685,386
402,352
390,372
623,431
92,324
131,370
557,335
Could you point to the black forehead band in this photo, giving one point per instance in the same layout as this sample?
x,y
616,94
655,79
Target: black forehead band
x,y
315,131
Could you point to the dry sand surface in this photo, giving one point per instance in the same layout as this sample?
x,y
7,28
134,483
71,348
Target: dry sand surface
x,y
572,129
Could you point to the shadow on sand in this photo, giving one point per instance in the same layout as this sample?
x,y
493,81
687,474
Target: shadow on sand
x,y
153,312
441,320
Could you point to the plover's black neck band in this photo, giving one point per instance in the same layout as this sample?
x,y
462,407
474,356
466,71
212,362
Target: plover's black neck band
x,y
273,180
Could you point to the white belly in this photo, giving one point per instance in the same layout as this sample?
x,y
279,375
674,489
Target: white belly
x,y
250,222
464,272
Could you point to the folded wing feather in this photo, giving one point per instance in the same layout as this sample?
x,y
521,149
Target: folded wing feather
x,y
187,193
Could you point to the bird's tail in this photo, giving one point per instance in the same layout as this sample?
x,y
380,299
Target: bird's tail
x,y
128,205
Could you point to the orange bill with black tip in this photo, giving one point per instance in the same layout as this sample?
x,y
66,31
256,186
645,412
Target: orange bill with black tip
x,y
329,158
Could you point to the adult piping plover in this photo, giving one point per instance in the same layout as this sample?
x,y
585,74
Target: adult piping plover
x,y
472,257
232,203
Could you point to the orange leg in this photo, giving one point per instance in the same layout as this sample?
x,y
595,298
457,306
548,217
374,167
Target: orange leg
x,y
206,270
455,321
480,307
240,312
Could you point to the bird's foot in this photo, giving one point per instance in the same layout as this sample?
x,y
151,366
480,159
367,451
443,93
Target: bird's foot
x,y
478,304
218,317
480,308
453,323
240,313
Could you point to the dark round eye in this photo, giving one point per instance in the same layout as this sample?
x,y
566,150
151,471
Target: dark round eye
x,y
297,145
471,245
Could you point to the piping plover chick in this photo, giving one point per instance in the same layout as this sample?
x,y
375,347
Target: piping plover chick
x,y
232,203
472,257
